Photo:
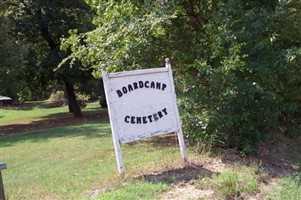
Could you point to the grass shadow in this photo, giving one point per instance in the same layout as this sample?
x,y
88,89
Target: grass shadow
x,y
88,130
166,140
52,121
24,105
19,107
189,172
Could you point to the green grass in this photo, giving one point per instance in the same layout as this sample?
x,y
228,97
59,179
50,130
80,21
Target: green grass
x,y
12,114
74,161
290,188
70,162
34,111
233,184
230,184
78,162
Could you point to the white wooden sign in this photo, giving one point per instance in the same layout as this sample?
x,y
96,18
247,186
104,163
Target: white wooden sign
x,y
142,104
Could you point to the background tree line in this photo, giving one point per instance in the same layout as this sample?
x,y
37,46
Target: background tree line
x,y
236,63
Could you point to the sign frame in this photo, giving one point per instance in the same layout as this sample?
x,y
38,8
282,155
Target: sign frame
x,y
112,112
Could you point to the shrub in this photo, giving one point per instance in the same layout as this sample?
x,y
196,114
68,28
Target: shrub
x,y
245,79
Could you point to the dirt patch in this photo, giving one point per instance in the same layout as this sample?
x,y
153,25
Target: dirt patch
x,y
182,180
275,161
185,181
187,191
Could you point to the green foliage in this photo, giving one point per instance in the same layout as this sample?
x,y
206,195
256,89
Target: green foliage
x,y
40,25
236,64
241,91
12,54
127,36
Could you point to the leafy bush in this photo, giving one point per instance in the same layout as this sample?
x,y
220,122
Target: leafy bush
x,y
236,95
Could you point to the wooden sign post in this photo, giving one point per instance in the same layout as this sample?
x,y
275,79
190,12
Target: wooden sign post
x,y
142,104
2,194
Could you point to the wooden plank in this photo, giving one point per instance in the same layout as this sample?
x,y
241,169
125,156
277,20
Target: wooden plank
x,y
117,149
141,104
180,134
2,194
137,72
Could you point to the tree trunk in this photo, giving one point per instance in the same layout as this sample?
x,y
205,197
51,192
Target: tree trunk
x,y
72,102
35,9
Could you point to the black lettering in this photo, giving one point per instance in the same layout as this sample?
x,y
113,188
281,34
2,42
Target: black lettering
x,y
124,90
164,86
147,84
119,93
158,85
130,87
127,119
160,114
132,120
152,84
135,85
140,84
144,120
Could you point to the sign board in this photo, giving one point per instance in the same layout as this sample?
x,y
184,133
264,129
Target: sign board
x,y
142,104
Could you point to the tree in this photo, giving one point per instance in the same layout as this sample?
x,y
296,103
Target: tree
x,y
11,54
237,68
244,81
42,24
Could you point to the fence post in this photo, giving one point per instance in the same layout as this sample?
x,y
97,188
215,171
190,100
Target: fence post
x,y
2,194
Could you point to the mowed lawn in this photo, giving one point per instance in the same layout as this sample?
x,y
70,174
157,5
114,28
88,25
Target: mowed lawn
x,y
31,111
78,162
